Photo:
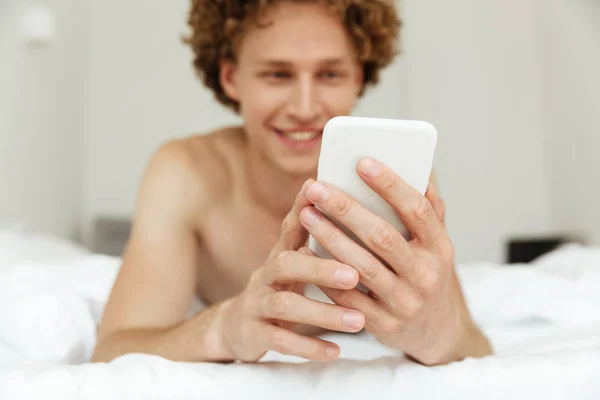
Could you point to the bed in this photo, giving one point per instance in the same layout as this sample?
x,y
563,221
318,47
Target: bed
x,y
543,320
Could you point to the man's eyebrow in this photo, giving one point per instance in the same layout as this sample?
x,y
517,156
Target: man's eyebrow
x,y
284,63
333,61
276,63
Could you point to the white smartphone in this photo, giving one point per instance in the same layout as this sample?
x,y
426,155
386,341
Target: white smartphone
x,y
407,147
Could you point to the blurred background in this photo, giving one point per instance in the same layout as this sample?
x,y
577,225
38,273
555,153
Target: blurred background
x,y
90,89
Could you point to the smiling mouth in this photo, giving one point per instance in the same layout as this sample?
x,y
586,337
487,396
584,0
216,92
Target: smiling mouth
x,y
300,136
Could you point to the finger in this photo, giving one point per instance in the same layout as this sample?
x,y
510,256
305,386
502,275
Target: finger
x,y
376,317
308,252
414,210
385,288
293,307
293,266
293,235
290,343
378,235
373,274
433,195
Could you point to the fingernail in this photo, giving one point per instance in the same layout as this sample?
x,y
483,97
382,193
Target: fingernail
x,y
310,217
318,192
344,275
353,320
332,352
306,185
370,168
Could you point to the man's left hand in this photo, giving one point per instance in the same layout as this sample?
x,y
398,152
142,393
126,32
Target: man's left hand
x,y
415,302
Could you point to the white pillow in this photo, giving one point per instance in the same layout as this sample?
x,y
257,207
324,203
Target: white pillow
x,y
17,247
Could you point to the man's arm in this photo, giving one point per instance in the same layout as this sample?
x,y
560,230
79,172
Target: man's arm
x,y
156,285
197,339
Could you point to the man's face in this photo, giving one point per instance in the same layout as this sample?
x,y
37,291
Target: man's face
x,y
292,77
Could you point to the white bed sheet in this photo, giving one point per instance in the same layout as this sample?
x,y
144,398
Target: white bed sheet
x,y
543,320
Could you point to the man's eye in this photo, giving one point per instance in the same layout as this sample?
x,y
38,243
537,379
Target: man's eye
x,y
279,75
330,75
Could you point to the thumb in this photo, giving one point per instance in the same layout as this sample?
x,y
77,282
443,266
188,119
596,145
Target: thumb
x,y
293,234
437,203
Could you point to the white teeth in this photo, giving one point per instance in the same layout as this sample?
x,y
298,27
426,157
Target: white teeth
x,y
301,136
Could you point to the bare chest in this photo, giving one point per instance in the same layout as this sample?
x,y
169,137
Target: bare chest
x,y
237,238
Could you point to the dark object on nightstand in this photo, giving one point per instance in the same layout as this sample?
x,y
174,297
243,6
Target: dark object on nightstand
x,y
524,250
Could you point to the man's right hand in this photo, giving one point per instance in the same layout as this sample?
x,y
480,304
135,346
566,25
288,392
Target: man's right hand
x,y
262,317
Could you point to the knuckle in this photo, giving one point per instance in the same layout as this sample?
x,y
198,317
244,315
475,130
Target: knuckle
x,y
279,339
256,277
249,305
422,209
447,251
331,237
389,325
284,259
286,225
279,304
429,282
345,299
277,270
326,315
384,237
342,208
412,309
320,269
371,270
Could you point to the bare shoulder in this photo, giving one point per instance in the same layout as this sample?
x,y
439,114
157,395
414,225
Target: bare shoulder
x,y
217,156
192,173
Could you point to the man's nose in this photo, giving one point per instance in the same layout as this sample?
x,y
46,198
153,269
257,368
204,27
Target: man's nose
x,y
305,103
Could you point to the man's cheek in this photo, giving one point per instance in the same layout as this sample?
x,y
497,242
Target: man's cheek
x,y
341,100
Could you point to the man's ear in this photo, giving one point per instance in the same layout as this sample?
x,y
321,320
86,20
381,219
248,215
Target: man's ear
x,y
228,79
360,77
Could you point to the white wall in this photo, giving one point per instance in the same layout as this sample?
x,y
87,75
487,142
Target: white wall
x,y
474,72
42,119
487,74
10,75
463,70
144,91
570,37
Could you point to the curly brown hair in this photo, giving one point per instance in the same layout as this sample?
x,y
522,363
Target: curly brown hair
x,y
218,25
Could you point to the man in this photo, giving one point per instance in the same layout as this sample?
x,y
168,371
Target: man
x,y
213,216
